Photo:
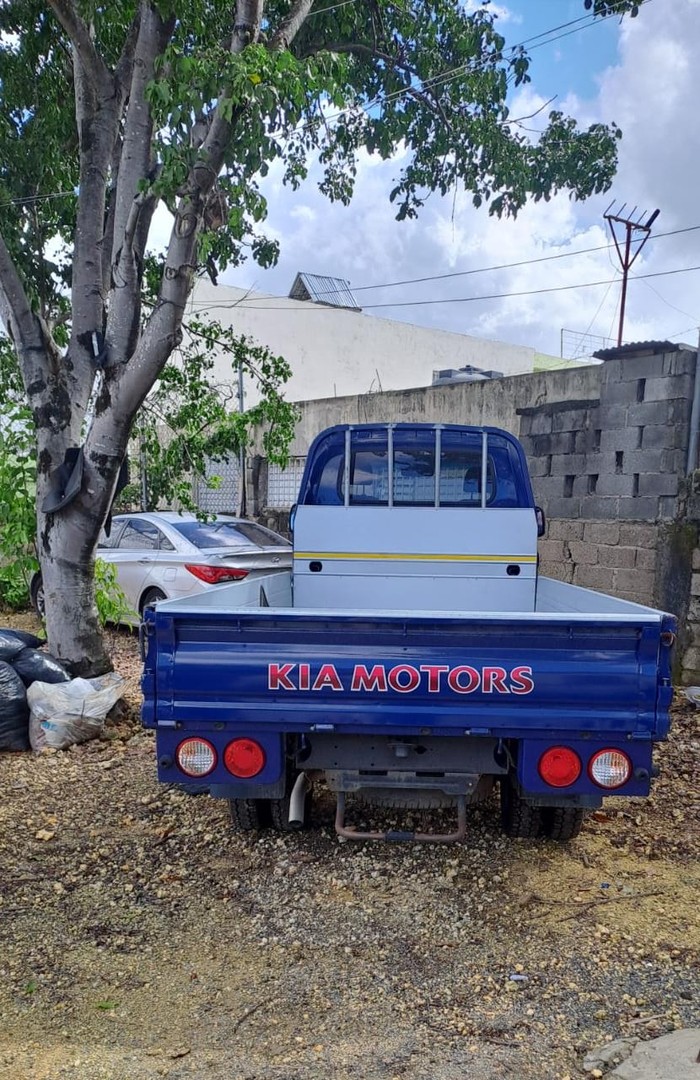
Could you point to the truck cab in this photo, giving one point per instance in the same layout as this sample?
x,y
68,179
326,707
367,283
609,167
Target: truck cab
x,y
432,516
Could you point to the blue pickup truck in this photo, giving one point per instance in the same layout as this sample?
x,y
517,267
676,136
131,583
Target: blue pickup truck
x,y
414,657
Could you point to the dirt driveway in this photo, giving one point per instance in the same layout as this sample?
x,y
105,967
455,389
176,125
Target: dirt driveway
x,y
141,938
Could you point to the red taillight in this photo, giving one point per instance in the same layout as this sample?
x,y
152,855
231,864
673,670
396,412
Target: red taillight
x,y
244,758
215,575
610,768
559,766
196,757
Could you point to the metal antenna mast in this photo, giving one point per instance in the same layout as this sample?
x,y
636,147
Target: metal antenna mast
x,y
631,225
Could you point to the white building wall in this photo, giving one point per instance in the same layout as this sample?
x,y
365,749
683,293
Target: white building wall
x,y
337,352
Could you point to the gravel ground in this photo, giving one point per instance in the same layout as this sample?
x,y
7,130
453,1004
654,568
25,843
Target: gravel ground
x,y
141,938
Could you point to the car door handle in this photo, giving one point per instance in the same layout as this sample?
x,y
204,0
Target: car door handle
x,y
147,559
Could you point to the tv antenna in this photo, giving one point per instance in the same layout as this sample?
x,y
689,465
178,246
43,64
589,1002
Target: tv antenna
x,y
636,231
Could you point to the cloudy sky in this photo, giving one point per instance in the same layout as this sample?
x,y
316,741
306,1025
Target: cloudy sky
x,y
641,73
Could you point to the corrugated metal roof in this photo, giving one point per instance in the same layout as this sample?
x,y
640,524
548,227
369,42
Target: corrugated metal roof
x,y
638,348
334,292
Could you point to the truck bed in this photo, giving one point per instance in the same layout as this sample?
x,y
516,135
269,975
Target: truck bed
x,y
581,663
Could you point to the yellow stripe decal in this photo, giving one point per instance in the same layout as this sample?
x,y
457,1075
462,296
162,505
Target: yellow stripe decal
x,y
413,557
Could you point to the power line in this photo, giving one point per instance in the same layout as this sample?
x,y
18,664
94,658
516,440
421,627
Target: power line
x,y
599,309
38,198
687,330
454,299
493,269
532,292
333,7
663,298
513,265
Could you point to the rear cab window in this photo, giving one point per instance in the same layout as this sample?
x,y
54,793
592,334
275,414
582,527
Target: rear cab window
x,y
403,466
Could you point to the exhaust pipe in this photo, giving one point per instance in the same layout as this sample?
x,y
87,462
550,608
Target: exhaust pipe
x,y
297,801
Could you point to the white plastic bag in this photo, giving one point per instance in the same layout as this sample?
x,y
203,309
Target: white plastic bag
x,y
62,714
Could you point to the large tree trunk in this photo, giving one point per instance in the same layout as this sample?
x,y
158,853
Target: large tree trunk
x,y
66,542
72,624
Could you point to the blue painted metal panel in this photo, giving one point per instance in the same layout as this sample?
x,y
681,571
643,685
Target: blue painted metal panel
x,y
378,674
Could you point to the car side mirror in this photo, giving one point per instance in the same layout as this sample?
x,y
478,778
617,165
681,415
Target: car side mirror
x,y
541,521
292,515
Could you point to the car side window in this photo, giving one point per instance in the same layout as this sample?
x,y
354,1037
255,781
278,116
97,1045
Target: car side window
x,y
139,536
163,543
112,540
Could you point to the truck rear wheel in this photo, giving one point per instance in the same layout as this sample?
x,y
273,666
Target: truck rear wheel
x,y
519,818
563,822
247,815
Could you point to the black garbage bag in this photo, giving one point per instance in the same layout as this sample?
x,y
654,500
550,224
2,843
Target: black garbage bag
x,y
14,711
24,636
10,644
34,666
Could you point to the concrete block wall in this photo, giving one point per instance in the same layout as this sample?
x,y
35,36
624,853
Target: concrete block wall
x,y
613,557
619,456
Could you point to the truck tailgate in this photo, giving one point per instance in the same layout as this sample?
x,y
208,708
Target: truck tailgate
x,y
433,672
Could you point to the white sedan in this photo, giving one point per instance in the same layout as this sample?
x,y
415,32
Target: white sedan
x,y
164,555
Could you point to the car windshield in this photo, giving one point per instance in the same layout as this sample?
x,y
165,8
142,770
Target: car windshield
x,y
228,534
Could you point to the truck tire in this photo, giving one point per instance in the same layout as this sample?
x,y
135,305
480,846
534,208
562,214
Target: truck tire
x,y
563,822
519,818
249,815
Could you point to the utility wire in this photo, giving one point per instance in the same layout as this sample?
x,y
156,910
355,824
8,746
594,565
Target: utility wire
x,y
454,299
38,198
679,333
533,292
333,7
489,269
662,298
598,310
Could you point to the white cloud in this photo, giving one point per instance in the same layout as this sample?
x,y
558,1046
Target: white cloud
x,y
499,10
651,93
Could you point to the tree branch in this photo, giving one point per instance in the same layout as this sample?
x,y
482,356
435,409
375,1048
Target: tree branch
x,y
163,330
427,96
134,166
135,159
245,31
291,25
79,34
123,69
246,25
35,347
